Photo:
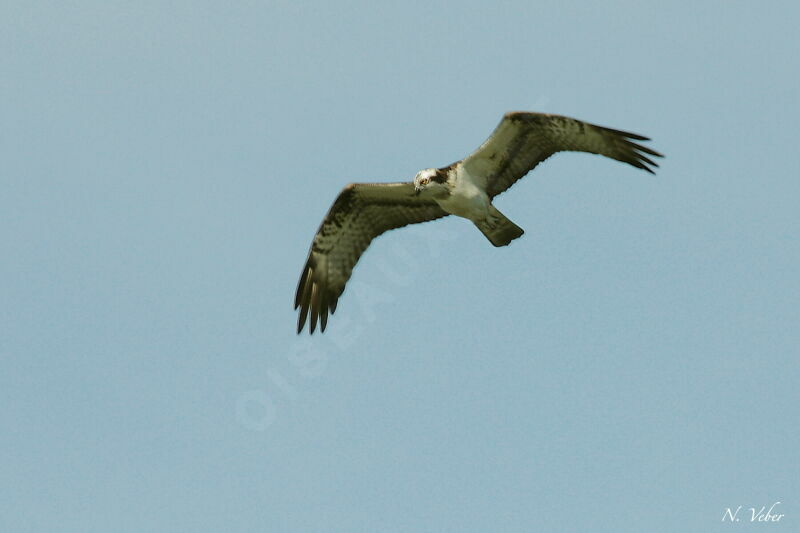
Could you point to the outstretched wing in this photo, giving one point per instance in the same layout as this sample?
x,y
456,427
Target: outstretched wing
x,y
360,213
523,140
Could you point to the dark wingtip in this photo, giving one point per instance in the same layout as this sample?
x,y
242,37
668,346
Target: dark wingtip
x,y
647,160
313,300
636,153
647,150
305,298
301,285
314,307
626,134
299,292
323,310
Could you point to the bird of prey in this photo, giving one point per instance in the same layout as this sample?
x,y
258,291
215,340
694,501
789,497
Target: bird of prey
x,y
363,211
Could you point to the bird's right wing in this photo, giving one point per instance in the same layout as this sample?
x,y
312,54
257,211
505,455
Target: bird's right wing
x,y
523,140
361,212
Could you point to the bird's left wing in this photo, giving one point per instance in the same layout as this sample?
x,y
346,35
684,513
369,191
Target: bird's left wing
x,y
523,140
361,212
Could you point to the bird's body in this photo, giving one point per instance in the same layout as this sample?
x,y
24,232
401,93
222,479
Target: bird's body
x,y
465,189
465,197
464,194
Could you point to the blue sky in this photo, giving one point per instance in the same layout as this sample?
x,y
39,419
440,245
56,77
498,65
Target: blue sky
x,y
630,364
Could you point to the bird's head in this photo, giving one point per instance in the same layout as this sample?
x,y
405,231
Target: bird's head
x,y
428,180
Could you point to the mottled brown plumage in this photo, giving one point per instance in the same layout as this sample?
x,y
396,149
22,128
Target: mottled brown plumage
x,y
364,211
361,212
523,140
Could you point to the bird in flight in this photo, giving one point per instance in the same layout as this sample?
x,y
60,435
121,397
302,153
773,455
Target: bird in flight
x,y
362,211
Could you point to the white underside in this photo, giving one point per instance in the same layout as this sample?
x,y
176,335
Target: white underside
x,y
466,198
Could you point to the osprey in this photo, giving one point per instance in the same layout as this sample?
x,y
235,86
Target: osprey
x,y
362,211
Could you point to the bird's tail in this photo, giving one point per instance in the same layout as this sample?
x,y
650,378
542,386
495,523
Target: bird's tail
x,y
498,229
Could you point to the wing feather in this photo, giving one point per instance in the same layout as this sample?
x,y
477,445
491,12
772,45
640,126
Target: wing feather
x,y
361,212
523,140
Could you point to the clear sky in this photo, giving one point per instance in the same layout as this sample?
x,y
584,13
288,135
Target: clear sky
x,y
629,365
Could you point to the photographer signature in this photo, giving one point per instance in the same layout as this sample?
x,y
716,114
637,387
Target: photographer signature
x,y
762,515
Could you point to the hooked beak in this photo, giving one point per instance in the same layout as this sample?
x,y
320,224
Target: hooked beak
x,y
417,190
